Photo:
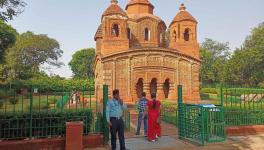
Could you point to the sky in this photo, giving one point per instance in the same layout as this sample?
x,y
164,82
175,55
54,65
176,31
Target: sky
x,y
73,23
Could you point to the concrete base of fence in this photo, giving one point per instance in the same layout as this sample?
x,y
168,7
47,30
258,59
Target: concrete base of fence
x,y
90,141
245,130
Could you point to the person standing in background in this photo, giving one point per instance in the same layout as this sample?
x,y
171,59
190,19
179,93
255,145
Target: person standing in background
x,y
141,116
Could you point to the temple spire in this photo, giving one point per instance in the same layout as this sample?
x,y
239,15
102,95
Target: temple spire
x,y
182,7
114,1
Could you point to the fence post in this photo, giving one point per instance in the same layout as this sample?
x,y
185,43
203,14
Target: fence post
x,y
30,107
221,96
180,113
105,124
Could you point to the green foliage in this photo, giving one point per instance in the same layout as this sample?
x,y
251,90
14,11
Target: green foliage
x,y
11,8
46,124
45,83
210,90
1,103
82,63
7,38
29,52
204,96
2,94
13,101
261,84
99,123
246,66
214,56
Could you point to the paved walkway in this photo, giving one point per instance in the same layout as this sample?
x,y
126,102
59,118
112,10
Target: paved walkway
x,y
253,142
170,141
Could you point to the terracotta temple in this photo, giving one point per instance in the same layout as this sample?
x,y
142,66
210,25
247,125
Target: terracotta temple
x,y
136,52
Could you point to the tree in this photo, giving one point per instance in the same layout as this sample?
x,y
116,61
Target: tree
x,y
29,52
10,8
7,38
247,64
214,56
81,63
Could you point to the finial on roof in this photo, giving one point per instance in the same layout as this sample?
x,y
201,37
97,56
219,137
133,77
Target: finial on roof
x,y
114,1
182,7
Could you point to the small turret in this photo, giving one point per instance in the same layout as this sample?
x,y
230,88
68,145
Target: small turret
x,y
183,33
114,30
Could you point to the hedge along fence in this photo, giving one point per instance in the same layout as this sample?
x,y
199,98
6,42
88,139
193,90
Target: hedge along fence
x,y
28,114
169,112
242,106
42,125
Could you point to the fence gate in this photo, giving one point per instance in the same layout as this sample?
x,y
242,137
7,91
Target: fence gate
x,y
200,124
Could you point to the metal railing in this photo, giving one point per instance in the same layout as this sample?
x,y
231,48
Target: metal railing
x,y
200,124
243,106
31,112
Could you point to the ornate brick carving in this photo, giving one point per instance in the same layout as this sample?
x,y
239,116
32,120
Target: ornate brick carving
x,y
124,59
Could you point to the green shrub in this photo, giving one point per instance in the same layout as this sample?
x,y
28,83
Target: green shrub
x,y
261,85
45,124
205,96
13,101
4,94
99,123
1,103
210,90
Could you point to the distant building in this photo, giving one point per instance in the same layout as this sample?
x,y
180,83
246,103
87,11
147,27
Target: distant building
x,y
134,55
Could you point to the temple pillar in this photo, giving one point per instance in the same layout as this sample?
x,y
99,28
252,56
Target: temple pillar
x,y
160,92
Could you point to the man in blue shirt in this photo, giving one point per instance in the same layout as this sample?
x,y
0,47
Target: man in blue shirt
x,y
114,114
141,108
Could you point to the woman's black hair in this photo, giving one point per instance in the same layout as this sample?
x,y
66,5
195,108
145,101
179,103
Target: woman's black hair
x,y
143,94
153,96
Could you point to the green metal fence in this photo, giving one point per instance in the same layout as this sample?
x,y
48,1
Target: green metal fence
x,y
199,123
169,113
34,112
243,106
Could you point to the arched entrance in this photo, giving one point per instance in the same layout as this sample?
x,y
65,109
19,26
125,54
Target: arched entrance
x,y
153,86
139,87
166,88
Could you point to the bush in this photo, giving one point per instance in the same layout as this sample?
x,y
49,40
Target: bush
x,y
13,101
210,90
261,85
4,94
1,103
205,96
45,124
99,123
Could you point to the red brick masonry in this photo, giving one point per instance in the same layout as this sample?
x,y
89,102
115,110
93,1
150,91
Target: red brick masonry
x,y
244,130
90,141
74,138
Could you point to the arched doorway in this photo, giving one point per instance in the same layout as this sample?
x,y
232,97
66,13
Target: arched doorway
x,y
153,86
139,87
166,88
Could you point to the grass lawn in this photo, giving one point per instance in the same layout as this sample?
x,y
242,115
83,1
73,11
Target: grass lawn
x,y
40,102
